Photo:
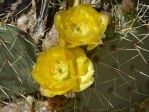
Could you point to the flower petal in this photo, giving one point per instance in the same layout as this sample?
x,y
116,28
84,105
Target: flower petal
x,y
60,70
81,25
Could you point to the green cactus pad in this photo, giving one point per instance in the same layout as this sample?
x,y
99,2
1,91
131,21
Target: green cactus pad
x,y
17,56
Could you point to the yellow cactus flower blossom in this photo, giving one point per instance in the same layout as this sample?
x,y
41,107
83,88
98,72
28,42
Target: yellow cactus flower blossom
x,y
81,25
61,70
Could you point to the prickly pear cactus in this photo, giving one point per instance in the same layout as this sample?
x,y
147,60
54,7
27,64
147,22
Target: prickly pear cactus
x,y
17,56
121,63
122,74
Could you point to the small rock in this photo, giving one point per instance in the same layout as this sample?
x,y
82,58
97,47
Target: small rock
x,y
127,6
22,23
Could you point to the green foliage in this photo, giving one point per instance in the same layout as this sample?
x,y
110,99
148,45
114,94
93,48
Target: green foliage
x,y
17,56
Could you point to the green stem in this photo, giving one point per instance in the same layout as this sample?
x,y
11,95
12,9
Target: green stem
x,y
72,3
76,3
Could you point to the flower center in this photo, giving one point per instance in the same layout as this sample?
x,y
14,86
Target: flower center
x,y
81,28
60,70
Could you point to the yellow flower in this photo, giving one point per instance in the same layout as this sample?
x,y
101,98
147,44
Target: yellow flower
x,y
81,25
61,70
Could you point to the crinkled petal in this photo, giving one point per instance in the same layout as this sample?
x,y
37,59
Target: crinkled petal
x,y
81,25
